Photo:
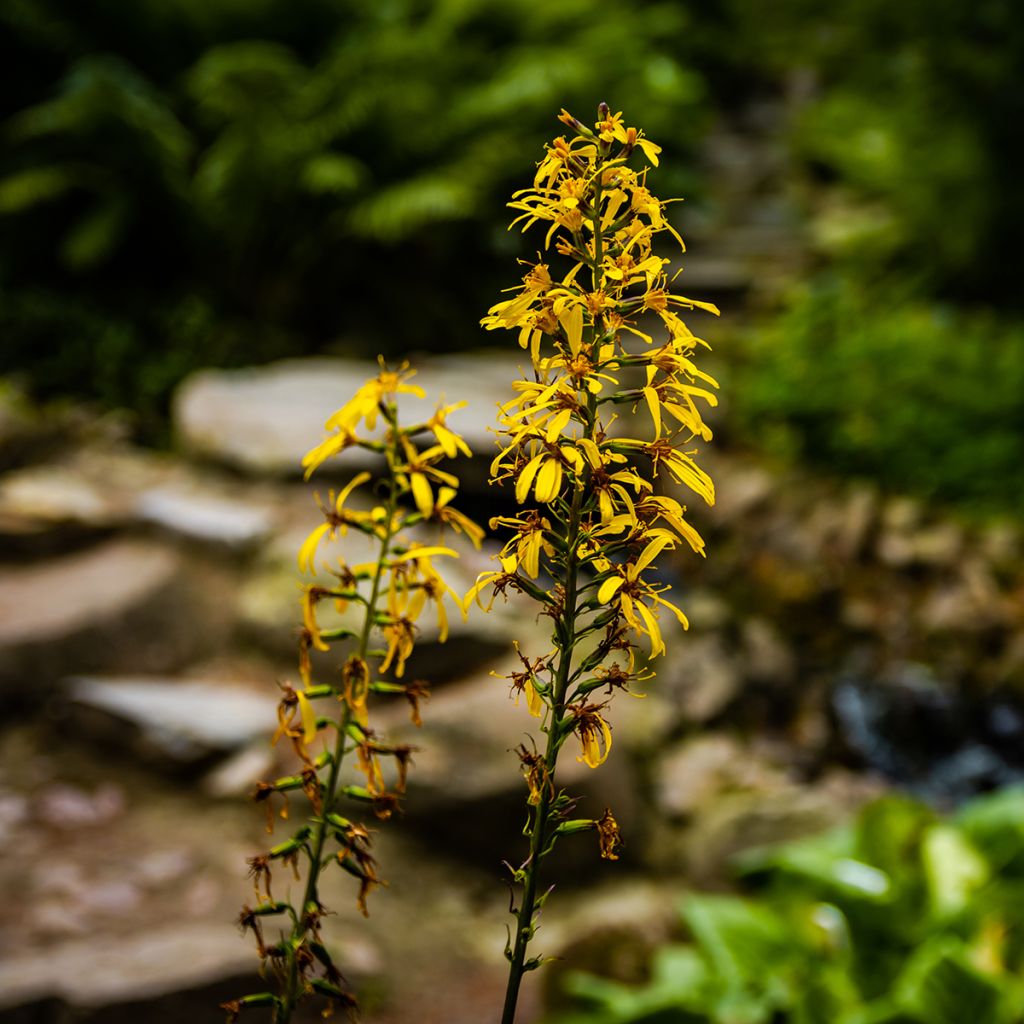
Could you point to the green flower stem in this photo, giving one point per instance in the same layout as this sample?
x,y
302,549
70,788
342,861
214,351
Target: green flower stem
x,y
541,824
291,997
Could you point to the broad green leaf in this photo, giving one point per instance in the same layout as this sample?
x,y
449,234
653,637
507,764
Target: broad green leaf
x,y
954,869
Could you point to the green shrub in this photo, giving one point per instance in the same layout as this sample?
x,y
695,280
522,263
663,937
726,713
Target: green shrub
x,y
917,396
902,918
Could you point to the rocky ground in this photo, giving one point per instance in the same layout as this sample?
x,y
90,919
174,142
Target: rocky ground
x,y
840,640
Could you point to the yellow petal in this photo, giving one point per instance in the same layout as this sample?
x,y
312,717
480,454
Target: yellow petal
x,y
650,553
526,477
609,589
356,481
308,550
549,480
308,718
422,494
657,644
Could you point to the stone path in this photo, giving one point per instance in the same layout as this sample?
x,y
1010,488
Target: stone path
x,y
147,612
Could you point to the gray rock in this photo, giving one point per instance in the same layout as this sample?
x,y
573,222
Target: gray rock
x,y
171,721
265,419
969,602
42,498
204,516
236,775
693,775
740,489
118,604
766,656
155,962
699,677
746,819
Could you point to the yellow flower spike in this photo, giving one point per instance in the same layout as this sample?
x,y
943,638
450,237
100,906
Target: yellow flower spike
x,y
391,590
585,325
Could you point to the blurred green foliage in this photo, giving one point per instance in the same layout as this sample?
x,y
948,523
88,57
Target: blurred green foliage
x,y
299,171
901,918
911,114
869,381
194,182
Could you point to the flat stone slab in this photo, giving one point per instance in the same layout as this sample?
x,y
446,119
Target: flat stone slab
x,y
264,419
156,962
184,721
202,516
118,602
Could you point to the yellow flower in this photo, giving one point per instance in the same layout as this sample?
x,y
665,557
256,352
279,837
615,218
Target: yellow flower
x,y
529,542
315,457
627,586
337,524
450,442
448,516
365,404
419,470
593,732
310,598
426,584
400,635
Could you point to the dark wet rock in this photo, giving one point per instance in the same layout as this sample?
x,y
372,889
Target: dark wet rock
x,y
941,743
265,419
168,722
116,604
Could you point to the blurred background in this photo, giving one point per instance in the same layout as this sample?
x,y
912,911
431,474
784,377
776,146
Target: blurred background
x,y
215,214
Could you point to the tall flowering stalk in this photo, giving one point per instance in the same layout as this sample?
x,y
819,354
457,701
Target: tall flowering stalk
x,y
586,545
392,592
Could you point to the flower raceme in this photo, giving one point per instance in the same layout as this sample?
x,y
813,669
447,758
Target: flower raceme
x,y
594,521
393,593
